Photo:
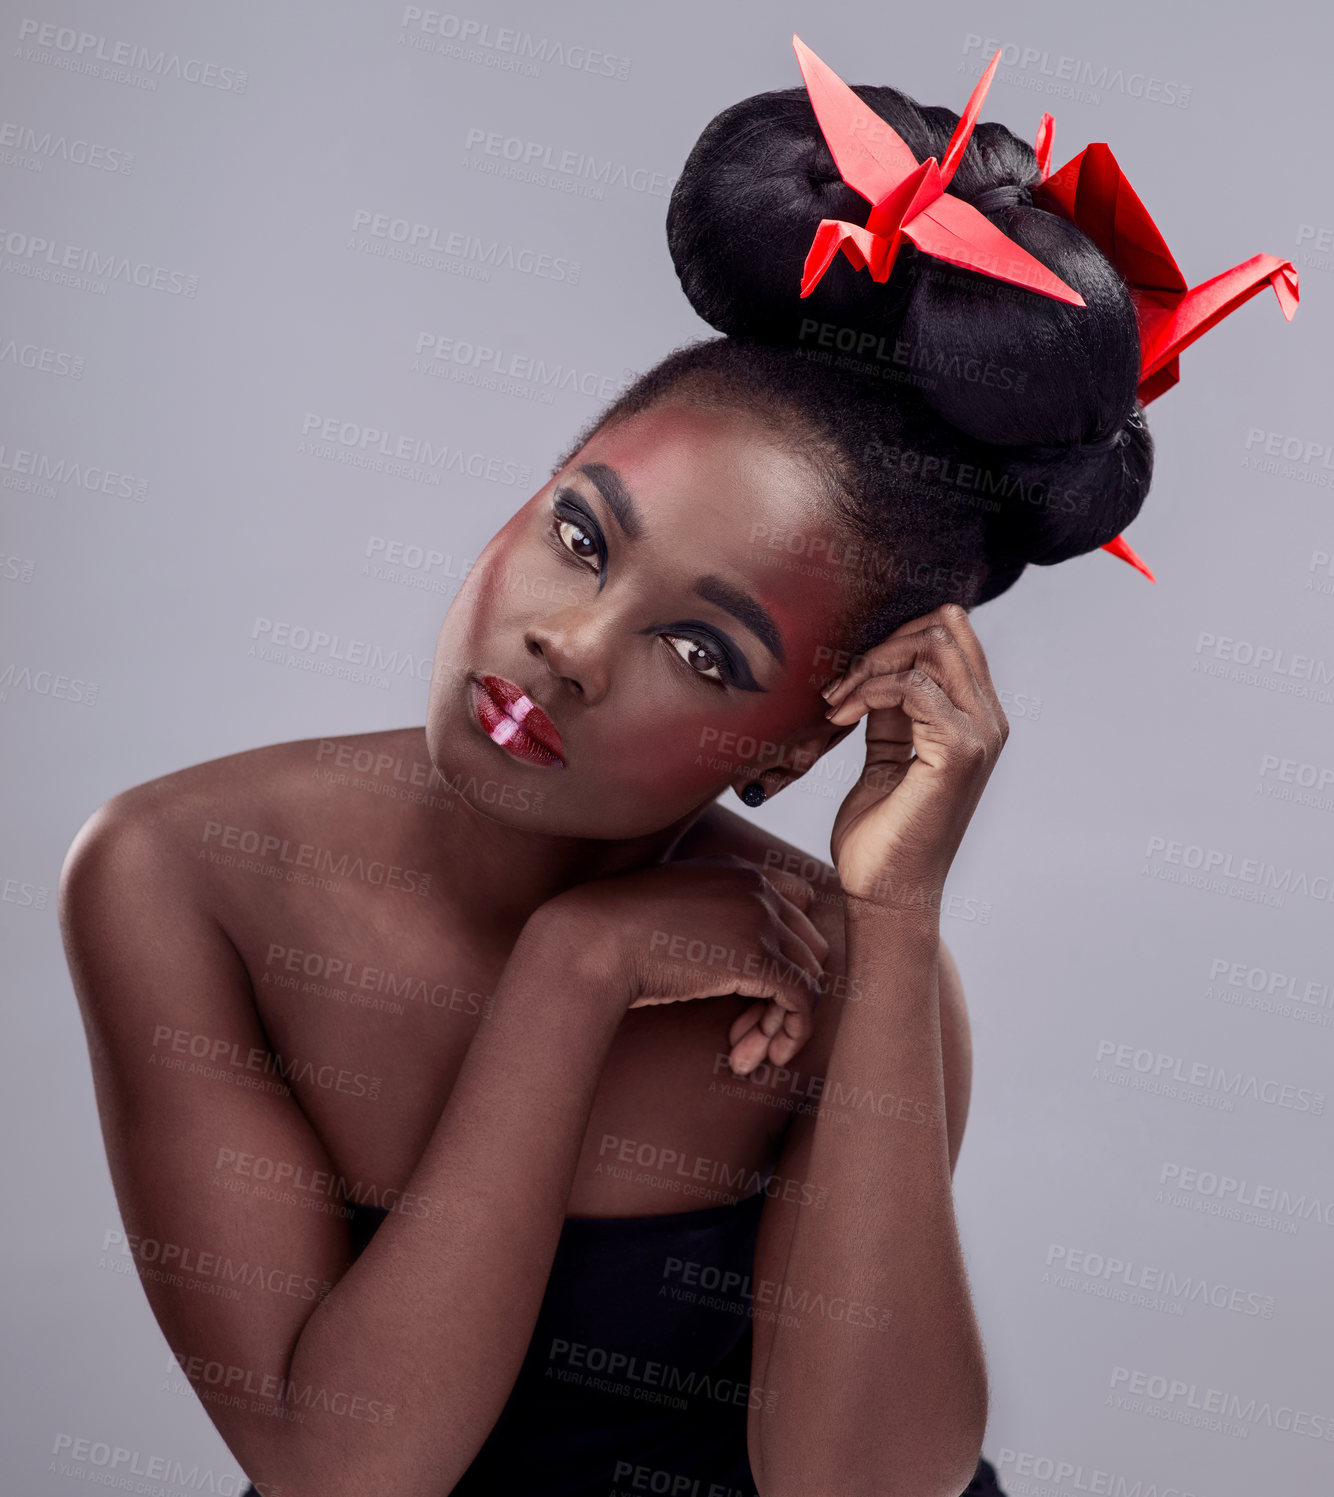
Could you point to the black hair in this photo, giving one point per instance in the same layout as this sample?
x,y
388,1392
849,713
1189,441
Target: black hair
x,y
962,427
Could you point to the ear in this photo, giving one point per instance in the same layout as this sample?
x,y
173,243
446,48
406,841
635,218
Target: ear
x,y
797,757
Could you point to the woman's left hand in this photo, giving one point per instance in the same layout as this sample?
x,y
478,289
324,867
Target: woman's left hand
x,y
934,729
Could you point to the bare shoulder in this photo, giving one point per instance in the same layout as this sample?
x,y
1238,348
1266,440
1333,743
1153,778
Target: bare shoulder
x,y
164,828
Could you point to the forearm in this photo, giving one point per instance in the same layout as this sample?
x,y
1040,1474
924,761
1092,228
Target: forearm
x,y
895,1409
438,1312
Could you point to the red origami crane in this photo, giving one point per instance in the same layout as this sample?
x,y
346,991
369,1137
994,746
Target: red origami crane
x,y
908,199
1092,192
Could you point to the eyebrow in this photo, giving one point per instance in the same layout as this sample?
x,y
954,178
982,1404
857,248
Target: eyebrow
x,y
608,482
712,589
742,606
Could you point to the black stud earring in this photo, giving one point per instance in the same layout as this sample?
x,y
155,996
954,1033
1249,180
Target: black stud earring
x,y
753,794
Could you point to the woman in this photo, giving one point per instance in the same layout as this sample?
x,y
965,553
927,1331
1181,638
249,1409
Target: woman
x,y
499,1113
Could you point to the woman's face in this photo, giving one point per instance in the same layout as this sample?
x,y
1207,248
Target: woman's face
x,y
670,603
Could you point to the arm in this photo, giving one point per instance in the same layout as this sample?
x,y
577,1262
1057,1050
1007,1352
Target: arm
x,y
901,1410
392,1382
893,1399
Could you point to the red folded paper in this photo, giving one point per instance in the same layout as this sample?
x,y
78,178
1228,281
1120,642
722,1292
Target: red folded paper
x,y
909,201
1092,192
908,198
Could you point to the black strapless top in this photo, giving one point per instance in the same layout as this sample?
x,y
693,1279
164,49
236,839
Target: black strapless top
x,y
634,1363
639,1363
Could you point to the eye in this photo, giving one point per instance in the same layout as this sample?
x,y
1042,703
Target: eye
x,y
694,654
574,533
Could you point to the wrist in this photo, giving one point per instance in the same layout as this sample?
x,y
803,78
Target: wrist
x,y
914,895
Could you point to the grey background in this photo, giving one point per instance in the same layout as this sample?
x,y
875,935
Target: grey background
x,y
1068,933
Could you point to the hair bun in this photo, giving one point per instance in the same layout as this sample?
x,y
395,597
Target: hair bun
x,y
741,219
1062,504
1045,387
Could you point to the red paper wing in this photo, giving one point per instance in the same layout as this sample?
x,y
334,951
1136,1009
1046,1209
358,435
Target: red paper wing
x,y
1164,333
1043,144
1162,379
964,129
953,230
867,251
1091,190
871,157
1118,547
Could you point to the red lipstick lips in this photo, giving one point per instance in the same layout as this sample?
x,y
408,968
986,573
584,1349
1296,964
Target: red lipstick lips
x,y
511,719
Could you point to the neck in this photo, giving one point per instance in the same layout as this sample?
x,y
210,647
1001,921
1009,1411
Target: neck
x,y
496,875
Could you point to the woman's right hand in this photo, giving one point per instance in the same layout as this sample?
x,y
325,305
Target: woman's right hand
x,y
704,928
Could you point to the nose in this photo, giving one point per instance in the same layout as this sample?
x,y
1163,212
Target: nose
x,y
574,650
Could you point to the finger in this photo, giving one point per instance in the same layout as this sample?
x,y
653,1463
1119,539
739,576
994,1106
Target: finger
x,y
800,971
956,620
749,1052
746,1021
784,1047
934,650
923,700
791,886
940,627
801,925
948,672
953,618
